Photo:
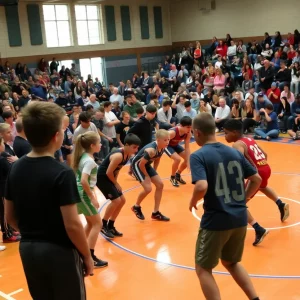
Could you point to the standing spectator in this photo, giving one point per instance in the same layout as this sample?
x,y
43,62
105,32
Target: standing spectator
x,y
54,65
85,125
123,127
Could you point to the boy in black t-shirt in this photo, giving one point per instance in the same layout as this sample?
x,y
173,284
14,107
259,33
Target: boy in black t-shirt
x,y
123,127
41,196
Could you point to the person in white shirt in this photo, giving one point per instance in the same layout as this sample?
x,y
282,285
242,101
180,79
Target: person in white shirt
x,y
110,120
93,101
218,63
222,114
231,51
116,97
85,125
189,111
164,116
179,106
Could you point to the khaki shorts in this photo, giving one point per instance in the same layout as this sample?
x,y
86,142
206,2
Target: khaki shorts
x,y
227,245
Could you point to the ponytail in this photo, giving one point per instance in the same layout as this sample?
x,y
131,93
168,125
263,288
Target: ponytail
x,y
83,144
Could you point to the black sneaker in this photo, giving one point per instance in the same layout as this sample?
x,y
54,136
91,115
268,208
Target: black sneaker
x,y
284,209
115,232
159,217
138,212
98,263
174,181
259,236
179,178
107,232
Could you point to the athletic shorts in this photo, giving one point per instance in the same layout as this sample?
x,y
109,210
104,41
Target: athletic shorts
x,y
107,188
139,174
172,149
86,206
227,245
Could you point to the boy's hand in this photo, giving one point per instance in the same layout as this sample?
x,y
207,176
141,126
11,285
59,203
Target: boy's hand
x,y
88,266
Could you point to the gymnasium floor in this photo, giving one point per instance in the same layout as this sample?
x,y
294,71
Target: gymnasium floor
x,y
156,260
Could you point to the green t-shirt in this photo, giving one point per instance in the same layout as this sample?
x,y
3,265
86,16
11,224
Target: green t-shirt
x,y
88,166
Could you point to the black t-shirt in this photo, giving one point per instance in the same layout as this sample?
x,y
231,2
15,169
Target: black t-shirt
x,y
21,146
38,188
9,150
122,130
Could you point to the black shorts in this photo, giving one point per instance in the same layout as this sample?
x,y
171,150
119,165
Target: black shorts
x,y
52,271
107,188
139,174
174,149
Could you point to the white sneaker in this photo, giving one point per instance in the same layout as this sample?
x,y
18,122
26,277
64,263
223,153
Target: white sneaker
x,y
217,130
2,248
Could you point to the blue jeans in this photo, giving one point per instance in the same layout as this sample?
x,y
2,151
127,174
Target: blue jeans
x,y
264,134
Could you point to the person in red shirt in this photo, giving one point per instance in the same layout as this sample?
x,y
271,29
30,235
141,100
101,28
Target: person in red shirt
x,y
258,158
290,39
274,95
221,49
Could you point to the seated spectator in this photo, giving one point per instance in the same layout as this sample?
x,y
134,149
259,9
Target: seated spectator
x,y
180,108
235,109
205,107
222,114
267,52
297,57
218,63
288,94
294,119
247,83
131,106
214,104
258,63
195,101
62,101
231,51
273,94
295,83
189,111
93,101
283,113
283,76
164,116
219,81
262,101
248,115
38,90
122,128
116,109
221,49
271,130
83,100
275,62
116,97
266,75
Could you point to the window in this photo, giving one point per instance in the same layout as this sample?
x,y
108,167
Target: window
x,y
66,63
87,24
57,25
93,66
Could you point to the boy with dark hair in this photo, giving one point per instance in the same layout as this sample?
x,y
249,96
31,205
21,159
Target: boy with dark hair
x,y
107,183
175,151
258,158
21,145
218,173
146,174
41,196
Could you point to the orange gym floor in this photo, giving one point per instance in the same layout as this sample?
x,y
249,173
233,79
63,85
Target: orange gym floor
x,y
156,260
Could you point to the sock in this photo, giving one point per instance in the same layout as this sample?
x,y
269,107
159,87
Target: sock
x,y
256,226
155,213
111,224
173,177
279,202
104,223
135,205
256,298
177,174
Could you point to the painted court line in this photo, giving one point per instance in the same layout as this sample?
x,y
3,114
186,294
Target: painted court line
x,y
264,276
6,296
15,292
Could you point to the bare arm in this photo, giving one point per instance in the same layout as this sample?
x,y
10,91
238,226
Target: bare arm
x,y
119,141
156,163
198,193
113,123
253,185
238,146
144,161
115,160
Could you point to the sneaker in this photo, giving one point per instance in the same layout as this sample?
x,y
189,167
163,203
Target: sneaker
x,y
159,217
179,178
257,137
138,212
217,130
115,232
174,181
259,236
11,239
284,209
107,232
2,248
98,263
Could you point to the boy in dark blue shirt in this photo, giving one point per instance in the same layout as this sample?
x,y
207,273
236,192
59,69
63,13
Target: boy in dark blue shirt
x,y
218,173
